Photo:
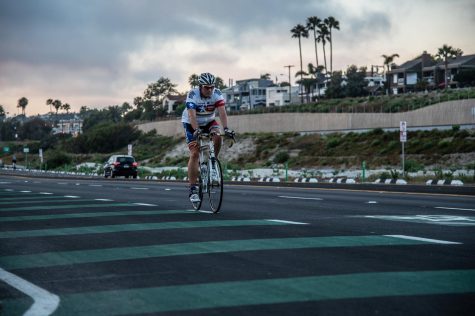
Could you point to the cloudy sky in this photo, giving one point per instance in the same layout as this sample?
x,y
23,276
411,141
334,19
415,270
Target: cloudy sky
x,y
98,53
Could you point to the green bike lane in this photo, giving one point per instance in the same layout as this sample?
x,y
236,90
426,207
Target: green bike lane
x,y
57,270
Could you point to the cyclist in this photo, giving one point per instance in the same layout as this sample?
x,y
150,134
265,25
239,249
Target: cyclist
x,y
199,116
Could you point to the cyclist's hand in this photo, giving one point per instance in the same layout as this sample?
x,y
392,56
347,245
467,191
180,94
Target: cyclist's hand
x,y
229,133
197,133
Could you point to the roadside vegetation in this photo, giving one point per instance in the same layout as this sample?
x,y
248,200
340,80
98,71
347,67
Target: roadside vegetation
x,y
108,131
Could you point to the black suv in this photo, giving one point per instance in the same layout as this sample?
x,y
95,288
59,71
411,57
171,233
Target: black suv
x,y
120,165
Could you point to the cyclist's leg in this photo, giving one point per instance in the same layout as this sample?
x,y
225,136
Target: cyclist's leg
x,y
214,128
194,155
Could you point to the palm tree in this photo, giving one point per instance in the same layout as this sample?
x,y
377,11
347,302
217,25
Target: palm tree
x,y
57,105
323,36
446,52
332,23
388,60
312,23
265,76
300,31
193,80
49,102
66,107
22,103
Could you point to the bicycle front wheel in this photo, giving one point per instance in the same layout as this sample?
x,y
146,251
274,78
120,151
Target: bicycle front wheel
x,y
215,186
197,205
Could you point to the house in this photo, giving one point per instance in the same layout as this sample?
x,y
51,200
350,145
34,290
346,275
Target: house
x,y
454,66
405,77
69,126
427,72
279,96
247,94
170,102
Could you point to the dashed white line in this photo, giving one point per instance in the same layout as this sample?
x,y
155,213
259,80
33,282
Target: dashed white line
x,y
136,188
71,196
436,241
456,208
46,193
371,202
299,198
104,200
26,191
286,222
95,185
45,303
144,204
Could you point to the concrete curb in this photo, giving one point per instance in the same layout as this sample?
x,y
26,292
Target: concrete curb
x,y
444,182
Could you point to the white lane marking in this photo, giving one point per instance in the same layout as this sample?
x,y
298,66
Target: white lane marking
x,y
136,188
203,211
298,198
25,191
45,303
456,208
286,222
104,200
428,219
78,183
9,190
95,185
62,183
4,182
436,241
144,204
71,196
371,202
47,193
168,189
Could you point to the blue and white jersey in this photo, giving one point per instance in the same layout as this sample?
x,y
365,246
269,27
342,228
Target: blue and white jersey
x,y
205,107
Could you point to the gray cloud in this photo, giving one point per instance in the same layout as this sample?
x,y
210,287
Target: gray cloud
x,y
116,47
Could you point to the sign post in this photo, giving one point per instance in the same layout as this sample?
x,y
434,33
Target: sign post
x,y
26,150
41,158
403,139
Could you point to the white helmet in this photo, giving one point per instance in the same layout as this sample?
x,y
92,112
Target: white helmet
x,y
206,79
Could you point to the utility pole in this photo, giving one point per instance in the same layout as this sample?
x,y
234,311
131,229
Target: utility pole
x,y
290,84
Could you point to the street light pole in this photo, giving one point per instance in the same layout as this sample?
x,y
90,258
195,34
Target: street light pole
x,y
290,84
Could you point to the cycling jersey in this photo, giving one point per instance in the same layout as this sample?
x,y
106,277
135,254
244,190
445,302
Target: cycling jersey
x,y
205,107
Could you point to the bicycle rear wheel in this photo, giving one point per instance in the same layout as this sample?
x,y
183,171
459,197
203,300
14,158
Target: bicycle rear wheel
x,y
215,186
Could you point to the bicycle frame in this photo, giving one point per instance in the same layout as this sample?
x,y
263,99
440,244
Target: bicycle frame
x,y
210,173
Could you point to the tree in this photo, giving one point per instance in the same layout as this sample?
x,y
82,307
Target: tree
x,y
220,83
332,24
300,31
388,60
57,105
265,76
66,107
446,52
356,85
159,89
193,81
335,88
49,102
2,113
312,24
22,103
323,36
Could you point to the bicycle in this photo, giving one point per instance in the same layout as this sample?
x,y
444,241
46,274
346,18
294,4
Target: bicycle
x,y
210,178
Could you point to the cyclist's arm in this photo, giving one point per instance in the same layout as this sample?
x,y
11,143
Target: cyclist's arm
x,y
192,117
223,117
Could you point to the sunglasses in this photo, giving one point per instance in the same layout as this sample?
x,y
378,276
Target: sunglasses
x,y
208,87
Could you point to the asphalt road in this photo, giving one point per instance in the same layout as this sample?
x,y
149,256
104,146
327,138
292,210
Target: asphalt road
x,y
109,247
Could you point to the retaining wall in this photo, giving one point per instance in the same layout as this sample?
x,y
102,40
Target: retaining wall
x,y
447,113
